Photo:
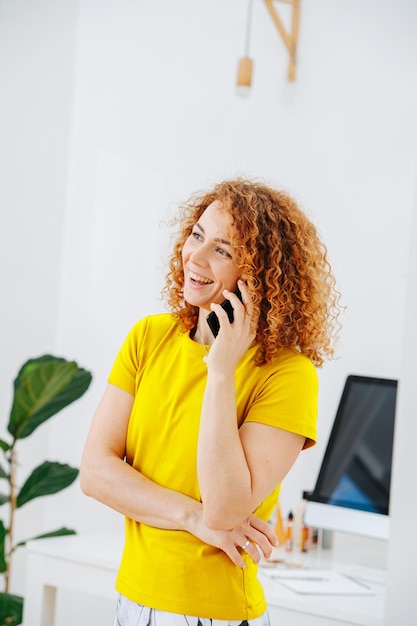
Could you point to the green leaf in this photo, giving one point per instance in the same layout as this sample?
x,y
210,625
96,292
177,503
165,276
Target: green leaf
x,y
46,479
4,445
11,609
3,474
3,535
61,532
3,500
42,388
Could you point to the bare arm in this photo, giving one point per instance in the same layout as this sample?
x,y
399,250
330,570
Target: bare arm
x,y
237,468
105,476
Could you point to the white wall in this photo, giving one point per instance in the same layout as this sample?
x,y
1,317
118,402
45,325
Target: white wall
x,y
36,65
400,606
37,47
113,111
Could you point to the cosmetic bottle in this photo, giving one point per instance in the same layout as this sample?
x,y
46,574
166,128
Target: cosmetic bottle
x,y
289,533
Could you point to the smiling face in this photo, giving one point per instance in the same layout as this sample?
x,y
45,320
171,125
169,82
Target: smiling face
x,y
207,257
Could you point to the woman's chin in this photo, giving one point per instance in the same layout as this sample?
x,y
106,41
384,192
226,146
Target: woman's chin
x,y
199,303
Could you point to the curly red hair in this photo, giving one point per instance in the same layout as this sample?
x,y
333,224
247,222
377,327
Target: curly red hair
x,y
283,262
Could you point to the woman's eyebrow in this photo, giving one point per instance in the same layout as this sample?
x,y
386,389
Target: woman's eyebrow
x,y
217,239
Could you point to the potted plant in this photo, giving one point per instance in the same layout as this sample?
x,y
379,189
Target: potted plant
x,y
43,387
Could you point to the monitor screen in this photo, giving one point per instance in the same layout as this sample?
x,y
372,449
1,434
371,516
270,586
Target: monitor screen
x,y
353,486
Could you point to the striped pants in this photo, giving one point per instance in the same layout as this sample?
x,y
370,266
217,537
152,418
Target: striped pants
x,y
129,613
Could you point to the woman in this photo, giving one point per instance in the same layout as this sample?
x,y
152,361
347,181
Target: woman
x,y
195,433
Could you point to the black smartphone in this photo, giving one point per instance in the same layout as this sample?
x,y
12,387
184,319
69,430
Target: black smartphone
x,y
213,320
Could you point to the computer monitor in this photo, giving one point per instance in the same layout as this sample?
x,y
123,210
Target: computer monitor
x,y
353,486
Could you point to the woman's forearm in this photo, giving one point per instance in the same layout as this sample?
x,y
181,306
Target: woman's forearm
x,y
118,485
124,489
224,476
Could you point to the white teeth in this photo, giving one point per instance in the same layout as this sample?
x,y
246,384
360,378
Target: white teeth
x,y
200,279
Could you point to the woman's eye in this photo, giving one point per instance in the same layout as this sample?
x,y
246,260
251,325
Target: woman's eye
x,y
196,235
223,252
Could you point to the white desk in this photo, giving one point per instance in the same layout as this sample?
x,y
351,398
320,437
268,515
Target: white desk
x,y
86,563
293,609
89,563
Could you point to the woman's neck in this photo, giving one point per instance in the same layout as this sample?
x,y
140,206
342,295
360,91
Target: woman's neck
x,y
202,333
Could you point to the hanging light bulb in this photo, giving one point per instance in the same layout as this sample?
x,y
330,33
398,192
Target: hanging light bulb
x,y
245,67
244,72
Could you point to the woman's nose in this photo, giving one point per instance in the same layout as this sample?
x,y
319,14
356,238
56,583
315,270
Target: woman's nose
x,y
199,255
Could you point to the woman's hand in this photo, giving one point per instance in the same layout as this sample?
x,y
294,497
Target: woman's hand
x,y
253,536
234,339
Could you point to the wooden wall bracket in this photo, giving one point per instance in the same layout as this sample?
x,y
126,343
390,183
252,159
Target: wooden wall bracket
x,y
290,39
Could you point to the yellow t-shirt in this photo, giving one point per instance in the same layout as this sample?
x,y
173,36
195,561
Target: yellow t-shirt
x,y
164,369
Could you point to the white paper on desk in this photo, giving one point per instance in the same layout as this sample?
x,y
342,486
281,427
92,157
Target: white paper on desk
x,y
320,581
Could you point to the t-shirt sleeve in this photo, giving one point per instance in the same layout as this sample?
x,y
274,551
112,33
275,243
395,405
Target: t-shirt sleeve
x,y
288,399
125,366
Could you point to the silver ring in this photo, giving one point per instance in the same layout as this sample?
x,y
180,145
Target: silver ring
x,y
245,545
